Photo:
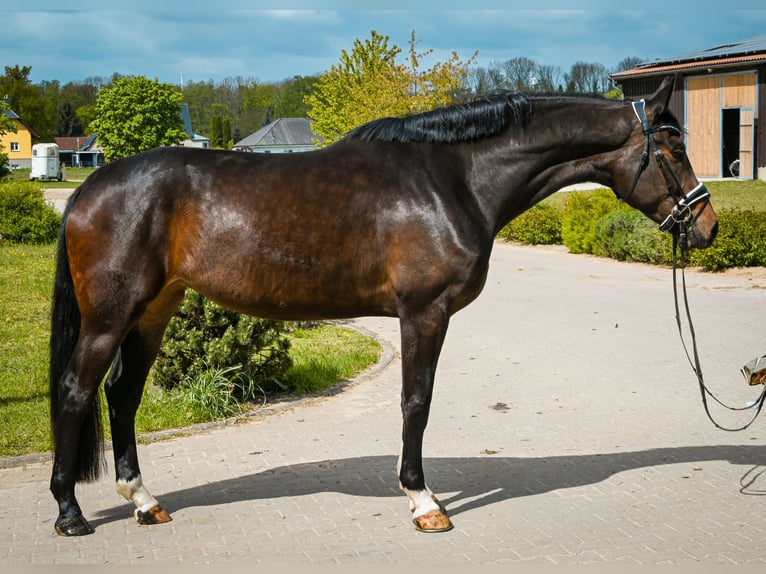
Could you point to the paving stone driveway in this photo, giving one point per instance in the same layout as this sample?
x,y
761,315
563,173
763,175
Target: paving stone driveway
x,y
566,428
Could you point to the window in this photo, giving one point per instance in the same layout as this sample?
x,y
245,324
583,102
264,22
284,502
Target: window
x,y
15,146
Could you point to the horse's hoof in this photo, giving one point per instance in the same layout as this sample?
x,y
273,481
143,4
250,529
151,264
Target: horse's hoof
x,y
74,526
434,521
155,515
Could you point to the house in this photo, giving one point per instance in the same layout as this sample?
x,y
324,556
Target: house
x,y
80,151
194,140
720,97
18,145
285,135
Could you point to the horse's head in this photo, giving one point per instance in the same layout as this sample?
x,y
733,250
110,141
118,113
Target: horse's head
x,y
655,175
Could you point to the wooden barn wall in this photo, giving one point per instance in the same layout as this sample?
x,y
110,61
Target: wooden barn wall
x,y
703,125
760,129
706,96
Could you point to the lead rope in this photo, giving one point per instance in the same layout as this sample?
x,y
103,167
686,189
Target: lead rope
x,y
695,364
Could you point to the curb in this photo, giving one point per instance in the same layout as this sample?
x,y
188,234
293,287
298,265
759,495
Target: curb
x,y
387,356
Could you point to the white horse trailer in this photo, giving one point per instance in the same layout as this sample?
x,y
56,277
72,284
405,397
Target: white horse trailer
x,y
45,162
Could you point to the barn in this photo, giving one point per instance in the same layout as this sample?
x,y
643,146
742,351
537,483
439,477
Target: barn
x,y
720,95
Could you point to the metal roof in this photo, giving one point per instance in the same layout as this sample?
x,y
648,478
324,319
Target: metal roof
x,y
730,54
282,132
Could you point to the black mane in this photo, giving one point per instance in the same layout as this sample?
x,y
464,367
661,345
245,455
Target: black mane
x,y
451,124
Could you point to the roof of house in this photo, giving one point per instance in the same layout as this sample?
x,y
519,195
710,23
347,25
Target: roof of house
x,y
749,50
75,143
282,132
14,116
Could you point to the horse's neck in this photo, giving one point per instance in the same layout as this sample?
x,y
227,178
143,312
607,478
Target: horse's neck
x,y
565,143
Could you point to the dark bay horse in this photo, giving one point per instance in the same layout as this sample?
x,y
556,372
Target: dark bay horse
x,y
397,219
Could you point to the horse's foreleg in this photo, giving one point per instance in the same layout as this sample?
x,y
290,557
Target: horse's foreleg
x,y
422,338
123,391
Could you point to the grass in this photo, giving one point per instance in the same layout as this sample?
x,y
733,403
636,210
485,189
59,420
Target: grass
x,y
73,176
322,357
725,194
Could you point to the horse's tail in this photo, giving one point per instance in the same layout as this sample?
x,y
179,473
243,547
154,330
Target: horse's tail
x,y
65,329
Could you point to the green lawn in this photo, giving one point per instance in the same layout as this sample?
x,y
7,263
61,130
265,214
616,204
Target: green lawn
x,y
725,194
322,357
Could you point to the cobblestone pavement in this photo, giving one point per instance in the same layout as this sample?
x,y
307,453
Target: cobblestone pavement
x,y
566,428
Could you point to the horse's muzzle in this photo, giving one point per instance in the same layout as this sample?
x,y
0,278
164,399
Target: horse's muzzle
x,y
692,220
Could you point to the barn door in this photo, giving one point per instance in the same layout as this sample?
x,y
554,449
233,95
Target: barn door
x,y
746,142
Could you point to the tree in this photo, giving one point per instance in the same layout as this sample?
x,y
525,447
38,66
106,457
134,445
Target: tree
x,y
587,77
36,105
520,74
6,125
68,123
215,132
628,63
291,97
137,114
368,83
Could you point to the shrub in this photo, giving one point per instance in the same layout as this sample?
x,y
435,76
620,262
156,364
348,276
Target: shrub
x,y
581,212
24,215
628,235
205,340
540,225
741,242
5,169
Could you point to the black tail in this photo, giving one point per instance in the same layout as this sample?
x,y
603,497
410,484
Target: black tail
x,y
65,329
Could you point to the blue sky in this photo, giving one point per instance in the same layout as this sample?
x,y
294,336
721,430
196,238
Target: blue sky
x,y
269,41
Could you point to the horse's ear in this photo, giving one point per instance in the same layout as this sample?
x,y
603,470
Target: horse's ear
x,y
658,101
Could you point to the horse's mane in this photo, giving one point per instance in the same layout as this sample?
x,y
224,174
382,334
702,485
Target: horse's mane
x,y
480,118
485,116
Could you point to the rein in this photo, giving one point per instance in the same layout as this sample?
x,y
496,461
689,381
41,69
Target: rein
x,y
679,218
695,363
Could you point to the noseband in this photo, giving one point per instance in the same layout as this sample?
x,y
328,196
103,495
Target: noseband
x,y
681,215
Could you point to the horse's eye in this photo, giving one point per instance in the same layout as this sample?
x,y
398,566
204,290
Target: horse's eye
x,y
678,153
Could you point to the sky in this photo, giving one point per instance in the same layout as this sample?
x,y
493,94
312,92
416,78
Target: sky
x,y
202,40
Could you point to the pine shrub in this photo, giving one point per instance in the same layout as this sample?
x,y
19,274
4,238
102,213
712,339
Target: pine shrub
x,y
204,337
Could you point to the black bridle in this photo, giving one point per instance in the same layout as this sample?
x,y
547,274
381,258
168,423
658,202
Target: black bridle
x,y
680,217
676,223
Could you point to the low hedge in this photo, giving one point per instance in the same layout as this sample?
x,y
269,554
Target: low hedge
x,y
628,235
540,225
25,217
741,242
596,223
580,216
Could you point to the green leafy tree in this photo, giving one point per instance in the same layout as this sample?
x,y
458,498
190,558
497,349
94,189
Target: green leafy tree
x,y
291,97
6,125
226,138
369,83
137,114
36,105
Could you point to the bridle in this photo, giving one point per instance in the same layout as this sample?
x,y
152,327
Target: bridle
x,y
676,223
681,215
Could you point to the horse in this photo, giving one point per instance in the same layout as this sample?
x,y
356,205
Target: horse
x,y
396,219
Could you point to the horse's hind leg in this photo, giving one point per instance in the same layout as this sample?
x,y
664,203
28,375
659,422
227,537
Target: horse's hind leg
x,y
124,388
77,396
